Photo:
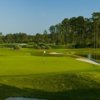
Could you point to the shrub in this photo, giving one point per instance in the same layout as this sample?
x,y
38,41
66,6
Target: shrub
x,y
57,46
44,46
16,47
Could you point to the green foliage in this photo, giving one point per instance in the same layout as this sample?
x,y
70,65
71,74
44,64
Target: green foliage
x,y
75,32
31,45
28,72
71,46
16,47
53,46
7,45
44,46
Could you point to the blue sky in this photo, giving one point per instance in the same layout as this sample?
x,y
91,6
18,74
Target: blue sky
x,y
34,16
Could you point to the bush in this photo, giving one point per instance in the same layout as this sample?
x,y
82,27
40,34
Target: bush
x,y
16,47
36,46
8,45
44,46
31,45
57,46
71,46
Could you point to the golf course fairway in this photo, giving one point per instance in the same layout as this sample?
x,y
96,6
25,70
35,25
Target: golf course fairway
x,y
30,73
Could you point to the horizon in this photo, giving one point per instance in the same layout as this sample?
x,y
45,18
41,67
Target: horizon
x,y
35,16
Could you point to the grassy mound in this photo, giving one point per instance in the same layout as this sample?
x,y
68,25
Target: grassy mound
x,y
29,73
70,86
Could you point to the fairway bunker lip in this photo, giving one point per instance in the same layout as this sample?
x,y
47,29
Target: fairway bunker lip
x,y
88,61
22,98
55,53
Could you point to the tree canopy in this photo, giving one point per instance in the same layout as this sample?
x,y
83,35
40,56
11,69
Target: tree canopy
x,y
78,32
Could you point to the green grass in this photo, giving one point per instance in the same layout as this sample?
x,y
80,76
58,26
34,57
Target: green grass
x,y
23,63
29,73
70,86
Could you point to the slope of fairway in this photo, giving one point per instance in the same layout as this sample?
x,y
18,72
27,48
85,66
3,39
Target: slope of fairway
x,y
19,65
68,86
21,62
29,73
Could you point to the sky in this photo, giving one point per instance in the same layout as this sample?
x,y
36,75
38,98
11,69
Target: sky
x,y
35,16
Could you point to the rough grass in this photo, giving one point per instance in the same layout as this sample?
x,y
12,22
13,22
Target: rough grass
x,y
29,73
69,86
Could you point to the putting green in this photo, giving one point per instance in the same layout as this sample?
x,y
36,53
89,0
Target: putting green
x,y
21,62
57,78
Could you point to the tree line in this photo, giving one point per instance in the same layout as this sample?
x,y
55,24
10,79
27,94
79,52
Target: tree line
x,y
75,32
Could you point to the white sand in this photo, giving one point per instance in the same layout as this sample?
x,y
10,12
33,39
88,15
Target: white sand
x,y
88,61
55,53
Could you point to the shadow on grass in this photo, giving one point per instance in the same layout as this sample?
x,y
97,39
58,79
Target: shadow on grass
x,y
78,94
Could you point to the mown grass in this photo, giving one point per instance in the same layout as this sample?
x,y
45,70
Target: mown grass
x,y
21,62
29,73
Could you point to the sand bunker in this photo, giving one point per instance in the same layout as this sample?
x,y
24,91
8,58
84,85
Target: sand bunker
x,y
88,61
55,53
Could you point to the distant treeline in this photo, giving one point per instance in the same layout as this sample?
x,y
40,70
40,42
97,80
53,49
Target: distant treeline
x,y
75,32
